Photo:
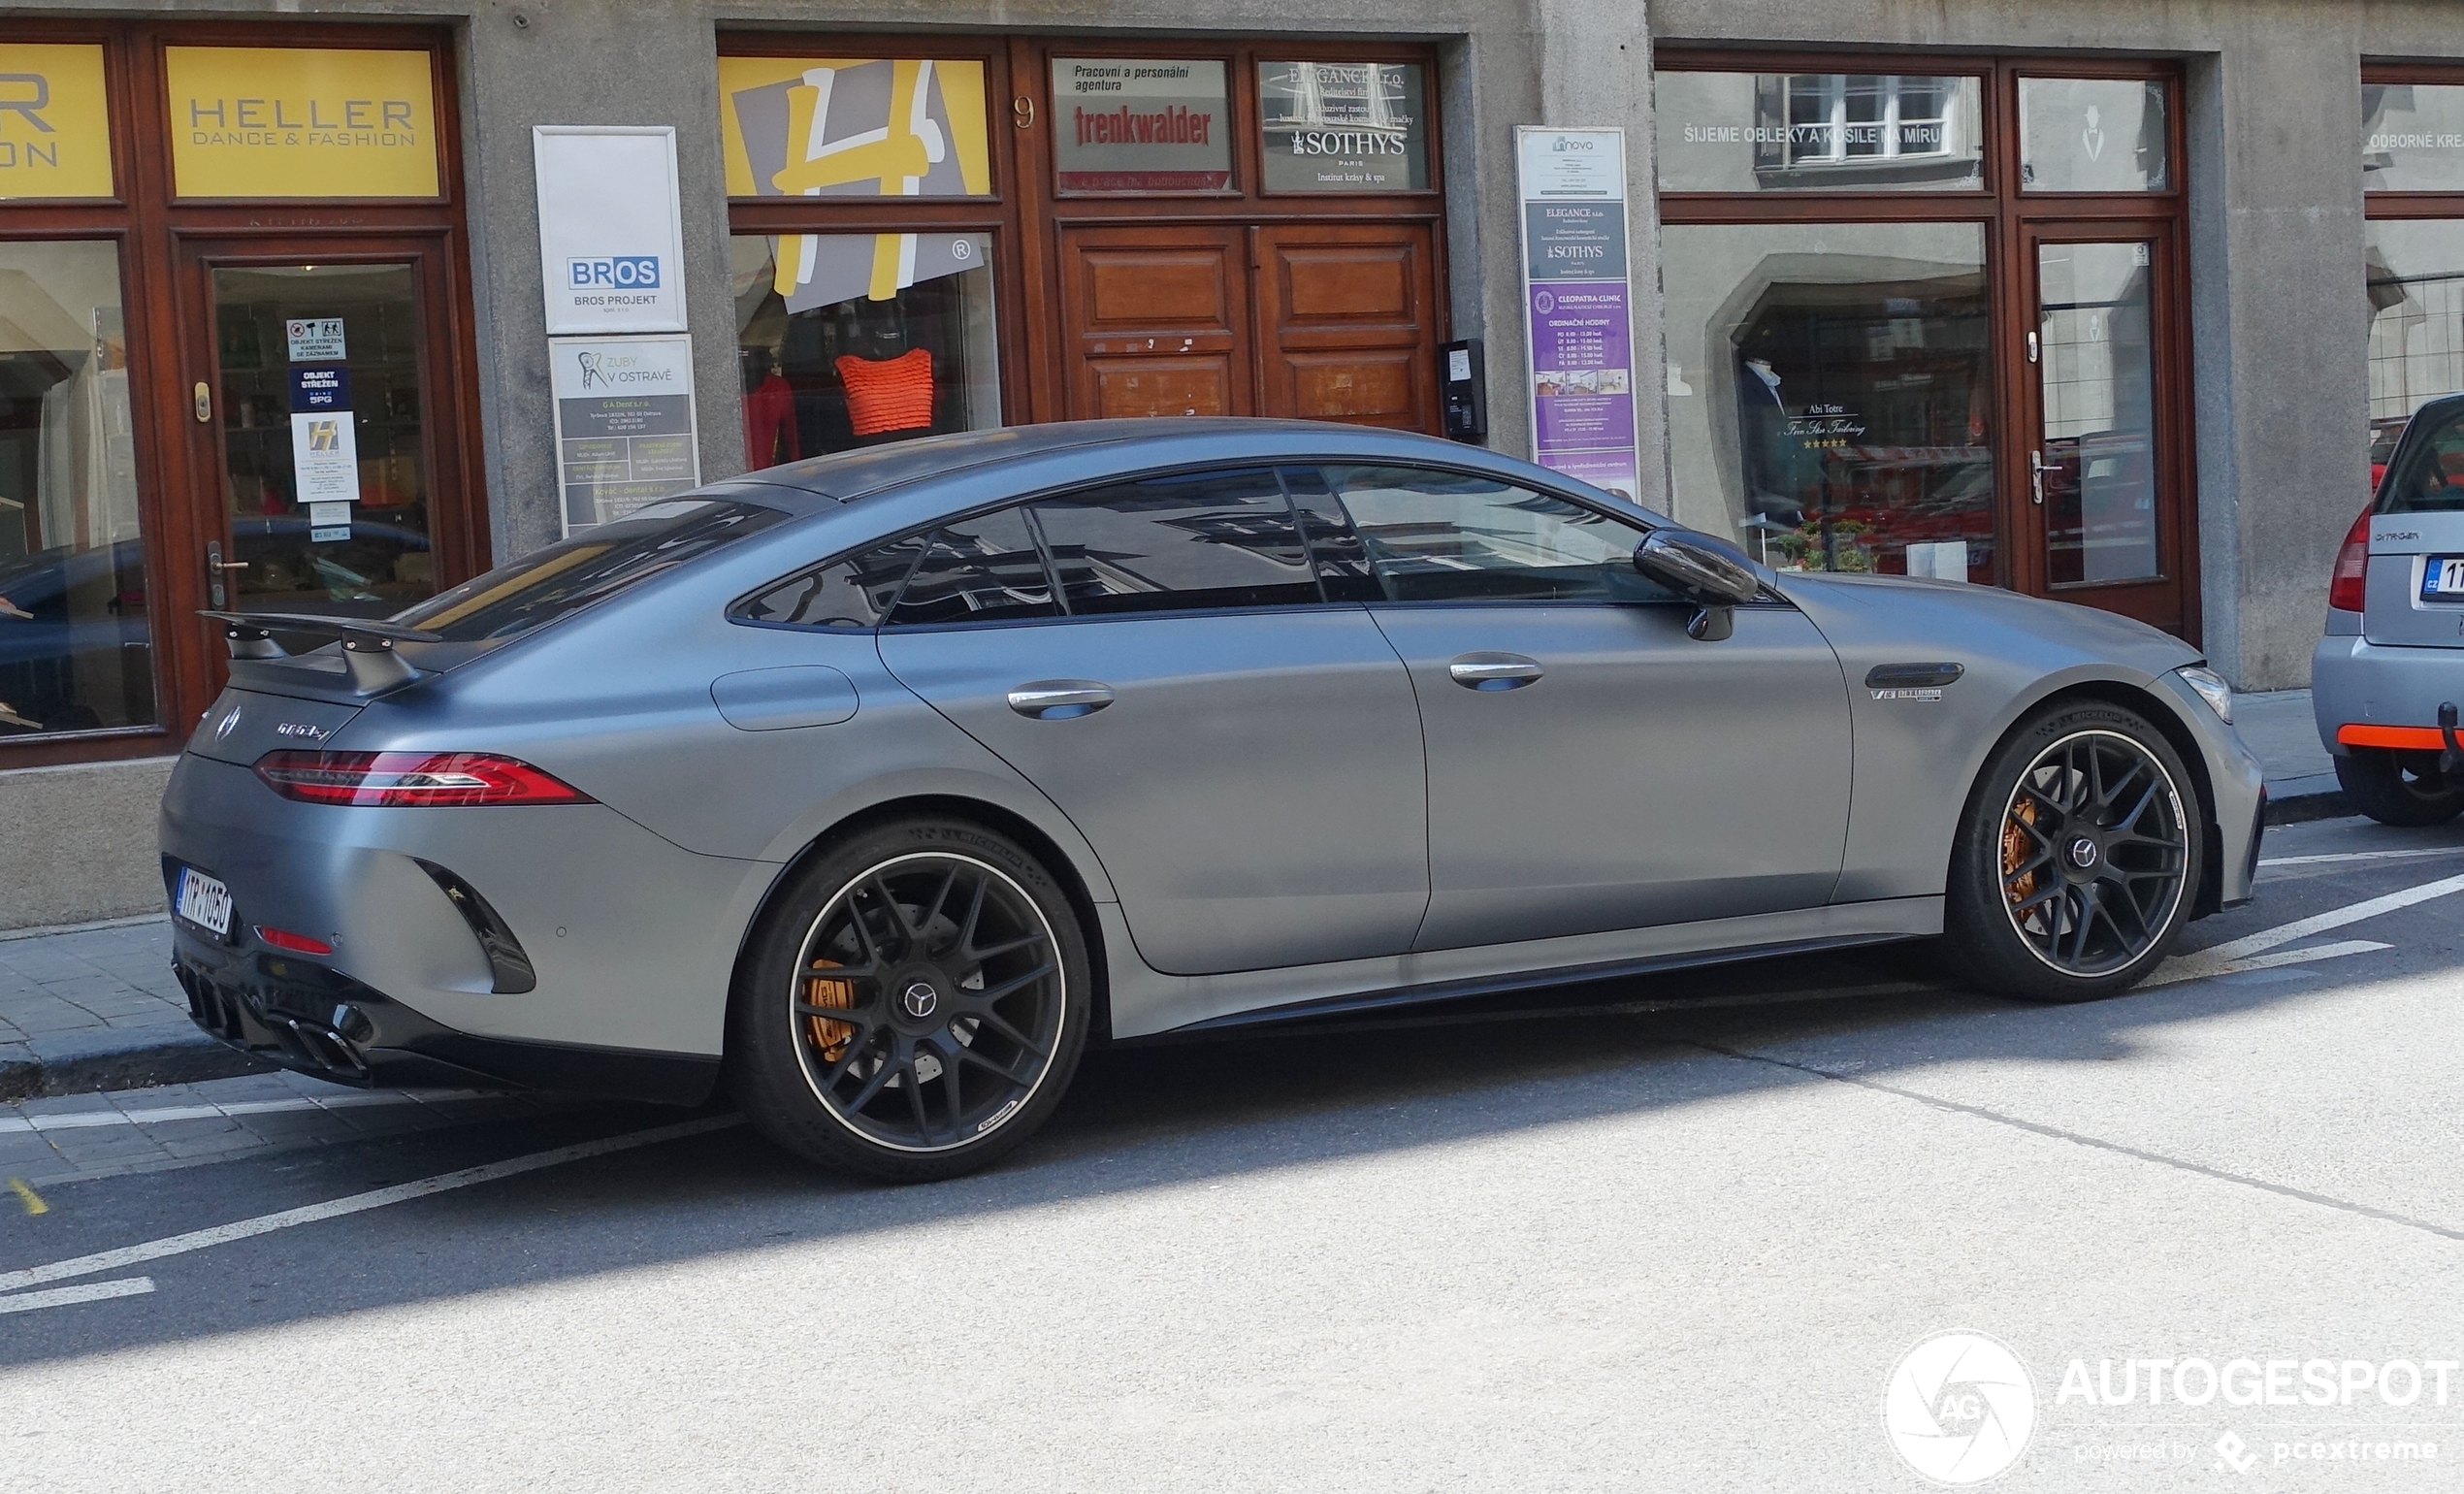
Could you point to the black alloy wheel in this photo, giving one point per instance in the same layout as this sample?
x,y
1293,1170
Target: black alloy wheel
x,y
931,1008
2078,858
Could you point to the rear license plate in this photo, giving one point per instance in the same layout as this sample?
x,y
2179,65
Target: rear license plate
x,y
2443,578
203,901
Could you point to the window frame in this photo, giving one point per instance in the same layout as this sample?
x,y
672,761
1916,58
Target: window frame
x,y
2396,206
150,223
2012,218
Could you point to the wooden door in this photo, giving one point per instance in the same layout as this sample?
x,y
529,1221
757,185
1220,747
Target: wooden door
x,y
2103,484
1155,321
1347,323
397,516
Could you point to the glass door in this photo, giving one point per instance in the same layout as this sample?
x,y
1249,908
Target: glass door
x,y
318,414
2101,480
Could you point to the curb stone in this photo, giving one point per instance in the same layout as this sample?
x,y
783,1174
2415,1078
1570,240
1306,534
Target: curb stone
x,y
118,1059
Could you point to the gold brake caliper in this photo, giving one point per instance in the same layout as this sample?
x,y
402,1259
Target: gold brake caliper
x,y
831,1037
2015,848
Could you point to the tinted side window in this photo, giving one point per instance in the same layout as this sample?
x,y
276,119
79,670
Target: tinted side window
x,y
1449,536
1343,562
2431,479
978,571
1205,539
592,566
843,594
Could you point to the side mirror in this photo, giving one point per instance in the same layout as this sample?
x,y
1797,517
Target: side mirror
x,y
1716,582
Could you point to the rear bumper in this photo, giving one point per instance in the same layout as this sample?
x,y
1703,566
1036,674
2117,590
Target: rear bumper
x,y
2356,682
308,1018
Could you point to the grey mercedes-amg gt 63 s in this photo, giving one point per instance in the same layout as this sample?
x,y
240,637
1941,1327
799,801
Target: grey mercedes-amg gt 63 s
x,y
876,787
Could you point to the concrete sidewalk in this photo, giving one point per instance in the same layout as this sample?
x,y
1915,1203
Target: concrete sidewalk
x,y
2301,778
95,1007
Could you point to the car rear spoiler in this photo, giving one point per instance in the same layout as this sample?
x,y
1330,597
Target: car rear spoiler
x,y
368,644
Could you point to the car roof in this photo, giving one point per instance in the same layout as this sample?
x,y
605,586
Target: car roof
x,y
849,476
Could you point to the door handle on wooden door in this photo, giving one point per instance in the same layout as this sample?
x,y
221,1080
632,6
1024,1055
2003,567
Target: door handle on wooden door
x,y
216,566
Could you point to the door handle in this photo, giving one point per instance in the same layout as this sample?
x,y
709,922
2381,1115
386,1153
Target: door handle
x,y
2036,476
1493,671
216,566
1060,699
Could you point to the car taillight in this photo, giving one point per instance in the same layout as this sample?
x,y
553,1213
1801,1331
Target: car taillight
x,y
397,780
2351,584
297,944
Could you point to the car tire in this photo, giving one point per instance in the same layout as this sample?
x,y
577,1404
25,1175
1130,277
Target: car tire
x,y
2399,787
912,1004
2077,858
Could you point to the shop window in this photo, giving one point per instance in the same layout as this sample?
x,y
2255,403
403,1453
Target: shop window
x,y
1342,127
1141,124
2413,137
2413,266
1742,132
2093,135
76,652
1830,391
2414,273
852,340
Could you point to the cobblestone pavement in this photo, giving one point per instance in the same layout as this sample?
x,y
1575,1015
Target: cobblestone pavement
x,y
86,980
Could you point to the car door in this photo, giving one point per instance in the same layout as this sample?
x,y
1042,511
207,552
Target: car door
x,y
1242,755
1591,766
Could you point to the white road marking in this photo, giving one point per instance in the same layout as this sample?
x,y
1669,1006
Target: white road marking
x,y
161,1115
2333,918
355,1202
64,1296
2360,856
2192,967
2238,954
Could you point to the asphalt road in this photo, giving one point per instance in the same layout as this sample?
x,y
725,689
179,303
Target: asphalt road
x,y
1608,1237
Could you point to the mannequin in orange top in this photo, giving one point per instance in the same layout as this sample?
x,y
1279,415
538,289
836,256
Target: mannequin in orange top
x,y
891,392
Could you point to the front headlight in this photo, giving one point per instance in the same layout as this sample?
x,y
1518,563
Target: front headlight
x,y
2212,689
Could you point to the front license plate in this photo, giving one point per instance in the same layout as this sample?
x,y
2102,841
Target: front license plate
x,y
2443,578
203,901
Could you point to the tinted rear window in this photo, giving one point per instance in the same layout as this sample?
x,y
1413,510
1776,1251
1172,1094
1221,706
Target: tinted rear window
x,y
2431,478
544,585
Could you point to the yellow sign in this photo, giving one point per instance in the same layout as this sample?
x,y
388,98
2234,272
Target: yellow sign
x,y
853,127
295,122
55,130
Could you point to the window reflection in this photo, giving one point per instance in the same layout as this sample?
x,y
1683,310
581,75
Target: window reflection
x,y
2097,378
2414,273
1830,389
2412,136
74,651
2093,135
1741,132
